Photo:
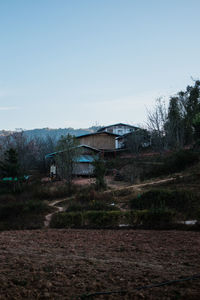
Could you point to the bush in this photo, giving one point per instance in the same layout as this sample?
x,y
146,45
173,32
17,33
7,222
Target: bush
x,y
101,219
19,208
181,201
21,214
86,194
112,219
50,192
67,220
176,162
180,160
94,205
158,218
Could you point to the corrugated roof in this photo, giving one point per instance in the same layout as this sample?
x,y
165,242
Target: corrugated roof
x,y
117,124
49,155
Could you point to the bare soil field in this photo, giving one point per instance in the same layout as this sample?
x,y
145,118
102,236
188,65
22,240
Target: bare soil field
x,y
64,264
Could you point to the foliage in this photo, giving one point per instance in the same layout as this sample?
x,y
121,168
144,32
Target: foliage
x,y
182,201
174,125
31,149
49,192
93,205
196,124
99,173
10,166
65,159
175,162
179,125
16,213
112,219
179,160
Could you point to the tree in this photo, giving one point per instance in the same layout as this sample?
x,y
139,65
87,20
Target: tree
x,y
196,124
174,125
66,157
135,142
10,167
156,120
190,101
99,173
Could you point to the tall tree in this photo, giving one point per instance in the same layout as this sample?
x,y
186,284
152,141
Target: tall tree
x,y
174,125
156,120
9,167
99,173
192,107
66,157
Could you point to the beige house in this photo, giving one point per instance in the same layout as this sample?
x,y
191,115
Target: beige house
x,y
99,140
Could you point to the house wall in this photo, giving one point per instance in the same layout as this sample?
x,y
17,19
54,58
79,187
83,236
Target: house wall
x,y
83,169
99,141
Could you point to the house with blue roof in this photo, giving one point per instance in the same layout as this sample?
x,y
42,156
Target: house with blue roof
x,y
83,162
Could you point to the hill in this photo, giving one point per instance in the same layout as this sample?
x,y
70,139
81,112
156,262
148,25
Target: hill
x,y
53,133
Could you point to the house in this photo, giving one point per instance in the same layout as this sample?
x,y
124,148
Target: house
x,y
118,129
123,141
82,163
102,140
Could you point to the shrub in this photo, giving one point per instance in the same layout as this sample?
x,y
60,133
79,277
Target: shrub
x,y
21,214
50,192
67,220
102,218
175,162
180,160
181,201
92,205
158,218
19,208
112,219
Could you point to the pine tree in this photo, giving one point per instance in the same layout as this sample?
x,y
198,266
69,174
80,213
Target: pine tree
x,y
10,166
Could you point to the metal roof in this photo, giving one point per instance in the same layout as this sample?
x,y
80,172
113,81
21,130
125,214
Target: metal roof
x,y
49,155
117,124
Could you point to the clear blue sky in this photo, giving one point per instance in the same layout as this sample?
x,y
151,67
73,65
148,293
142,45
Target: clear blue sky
x,y
76,62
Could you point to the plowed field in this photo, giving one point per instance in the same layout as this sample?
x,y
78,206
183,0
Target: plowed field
x,y
64,264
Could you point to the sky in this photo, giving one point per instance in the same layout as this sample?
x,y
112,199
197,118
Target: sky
x,y
77,63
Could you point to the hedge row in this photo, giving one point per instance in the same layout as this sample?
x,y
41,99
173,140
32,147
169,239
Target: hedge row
x,y
113,219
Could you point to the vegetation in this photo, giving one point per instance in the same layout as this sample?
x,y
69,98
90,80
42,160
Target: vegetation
x,y
66,157
177,126
113,219
99,173
182,201
21,213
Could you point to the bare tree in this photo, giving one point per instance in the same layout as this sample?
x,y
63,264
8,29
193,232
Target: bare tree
x,y
135,143
156,120
66,157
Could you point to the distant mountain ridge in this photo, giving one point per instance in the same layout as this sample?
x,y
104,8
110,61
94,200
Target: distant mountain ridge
x,y
53,133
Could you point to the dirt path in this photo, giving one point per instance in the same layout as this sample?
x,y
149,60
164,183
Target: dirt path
x,y
58,209
140,185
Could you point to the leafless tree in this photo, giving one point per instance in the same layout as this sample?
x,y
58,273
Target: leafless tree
x,y
156,120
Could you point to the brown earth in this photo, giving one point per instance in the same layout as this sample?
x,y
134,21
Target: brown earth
x,y
64,264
